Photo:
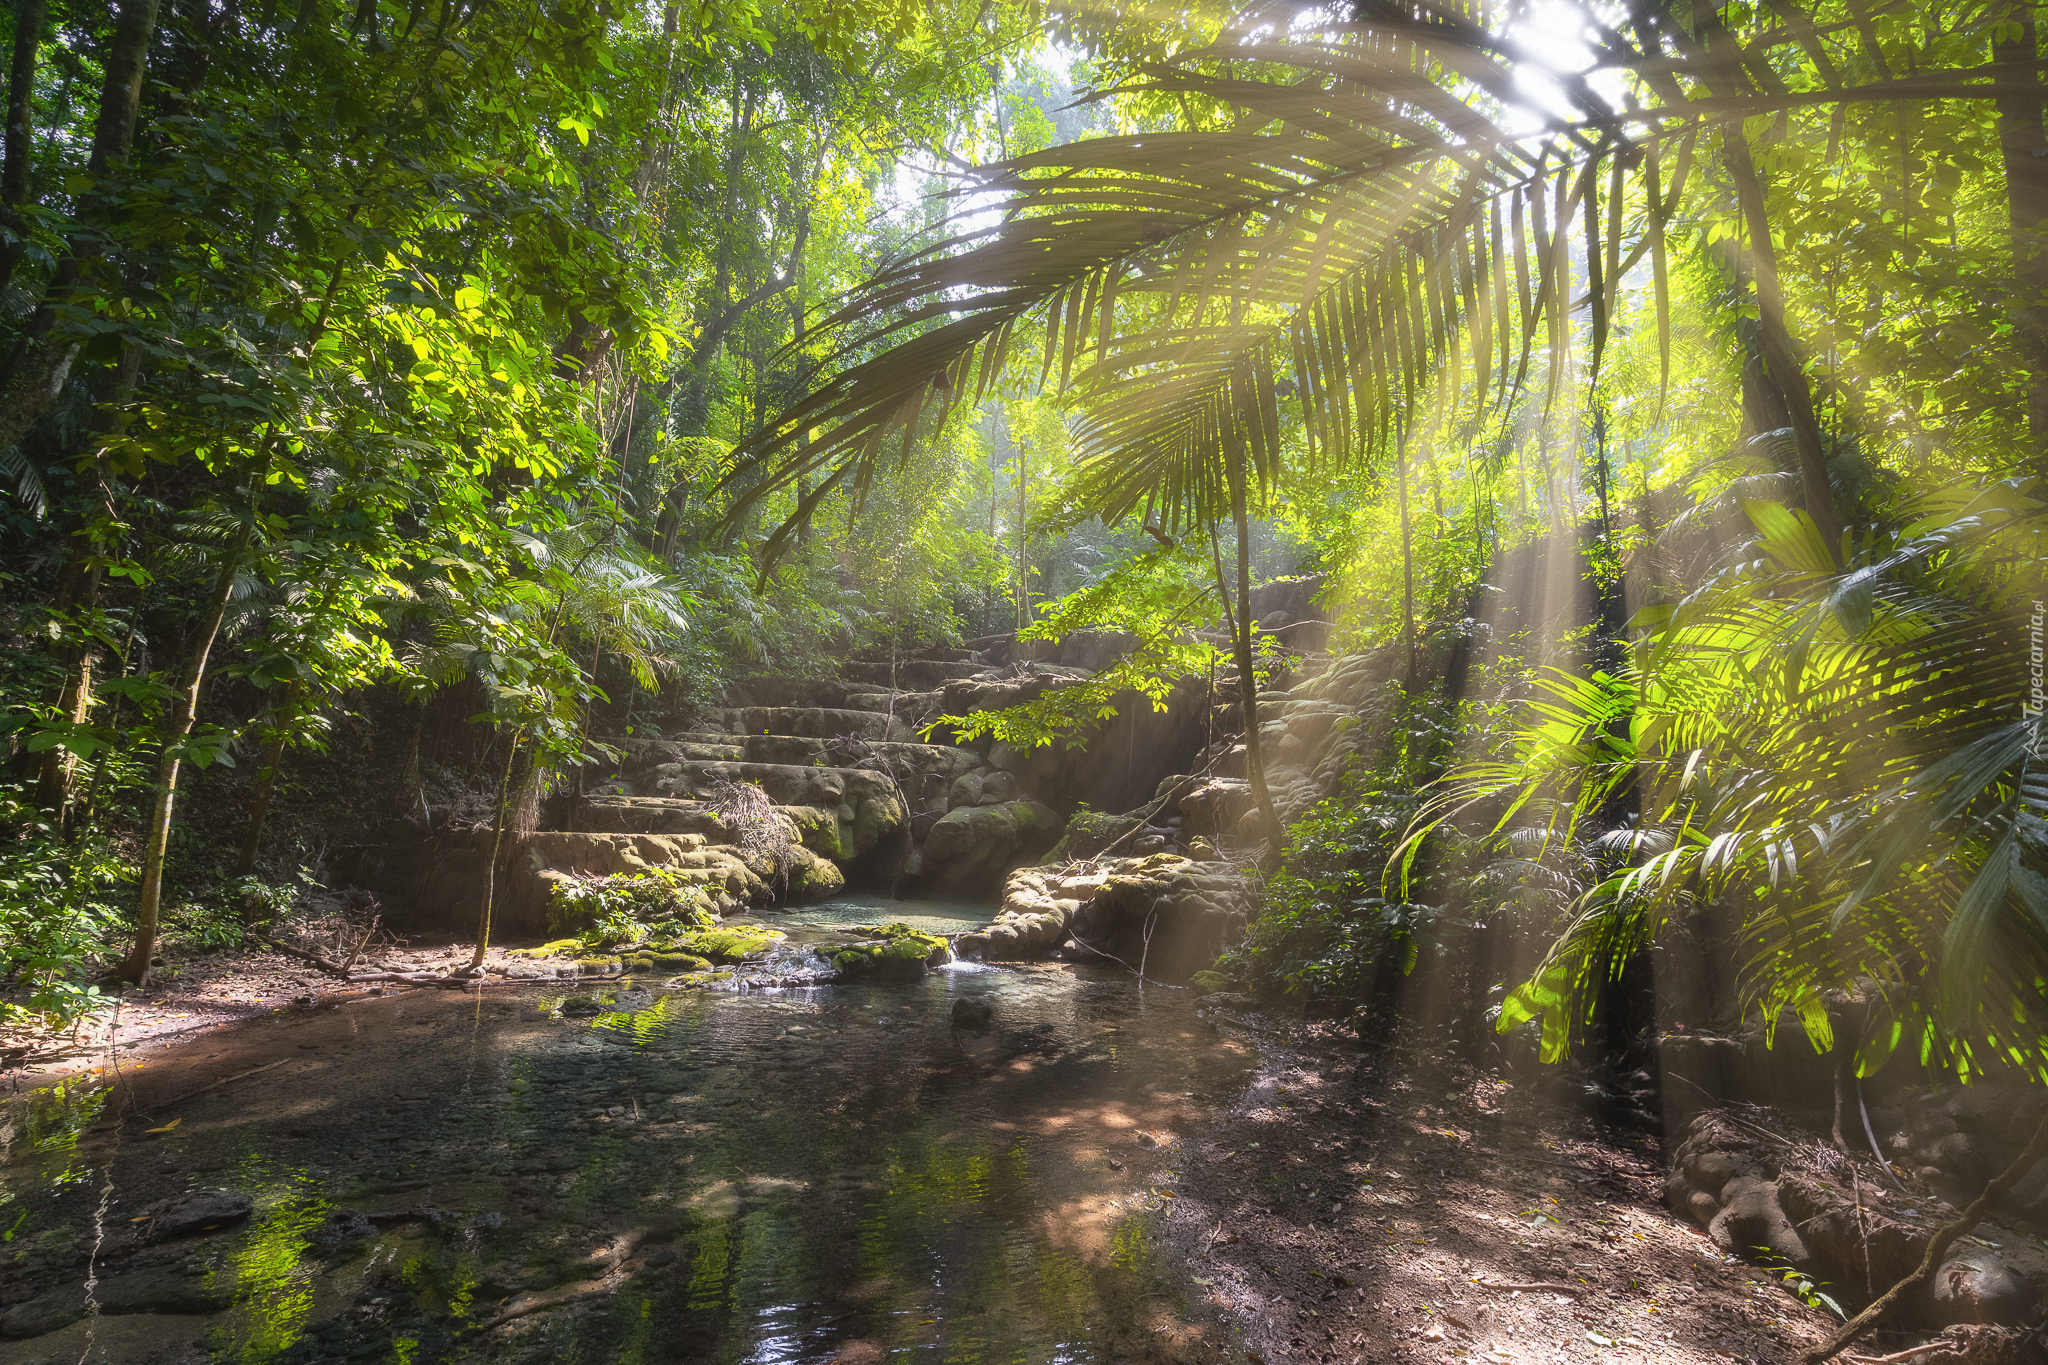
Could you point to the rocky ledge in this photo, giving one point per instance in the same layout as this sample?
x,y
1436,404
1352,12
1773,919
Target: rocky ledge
x,y
1163,914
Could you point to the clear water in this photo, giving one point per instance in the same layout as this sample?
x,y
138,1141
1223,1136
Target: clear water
x,y
931,917
832,1174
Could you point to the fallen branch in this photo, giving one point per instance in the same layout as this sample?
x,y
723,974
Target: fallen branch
x,y
1910,1353
419,979
1937,1248
226,1080
324,964
371,933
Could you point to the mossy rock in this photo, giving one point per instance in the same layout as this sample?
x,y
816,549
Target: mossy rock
x,y
561,947
1089,832
701,980
678,962
597,966
728,943
903,952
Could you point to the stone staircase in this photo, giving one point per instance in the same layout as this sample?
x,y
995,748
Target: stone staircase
x,y
874,794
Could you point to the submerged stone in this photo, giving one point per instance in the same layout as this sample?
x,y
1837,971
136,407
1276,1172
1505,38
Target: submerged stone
x,y
200,1211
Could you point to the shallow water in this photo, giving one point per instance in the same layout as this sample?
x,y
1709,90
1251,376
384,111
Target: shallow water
x,y
830,1174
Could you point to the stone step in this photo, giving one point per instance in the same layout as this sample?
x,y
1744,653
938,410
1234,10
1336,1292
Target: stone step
x,y
923,674
862,805
934,654
914,705
773,689
816,722
905,757
679,817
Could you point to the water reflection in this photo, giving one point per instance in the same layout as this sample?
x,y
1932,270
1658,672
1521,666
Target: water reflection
x,y
804,1176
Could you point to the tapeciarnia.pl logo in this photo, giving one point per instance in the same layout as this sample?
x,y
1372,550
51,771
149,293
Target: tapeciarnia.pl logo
x,y
2037,689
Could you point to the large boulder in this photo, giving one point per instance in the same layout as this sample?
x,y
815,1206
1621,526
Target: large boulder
x,y
1171,914
970,848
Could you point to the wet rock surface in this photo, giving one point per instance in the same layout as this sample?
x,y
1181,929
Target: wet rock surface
x,y
439,1176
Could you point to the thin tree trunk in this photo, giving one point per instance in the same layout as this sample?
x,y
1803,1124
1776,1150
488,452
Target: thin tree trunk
x,y
483,926
40,369
2023,146
1247,671
266,778
77,589
1774,339
1023,550
184,711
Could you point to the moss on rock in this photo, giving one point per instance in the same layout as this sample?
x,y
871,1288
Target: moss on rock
x,y
897,952
726,943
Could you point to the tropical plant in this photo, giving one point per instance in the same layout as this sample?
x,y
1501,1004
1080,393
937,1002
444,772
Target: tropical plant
x,y
1840,756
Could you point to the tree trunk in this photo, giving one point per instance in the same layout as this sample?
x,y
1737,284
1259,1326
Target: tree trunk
x,y
483,926
29,16
78,588
183,712
1023,550
41,367
1774,339
2024,150
1247,671
21,85
266,777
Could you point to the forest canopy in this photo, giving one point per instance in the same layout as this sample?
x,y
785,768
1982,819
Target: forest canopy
x,y
381,370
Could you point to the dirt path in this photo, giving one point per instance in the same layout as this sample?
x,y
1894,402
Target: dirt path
x,y
1398,1209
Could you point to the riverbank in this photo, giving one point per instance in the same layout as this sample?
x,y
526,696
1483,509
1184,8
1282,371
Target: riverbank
x,y
192,994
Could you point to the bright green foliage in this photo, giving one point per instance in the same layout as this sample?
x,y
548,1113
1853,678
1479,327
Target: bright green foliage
x,y
1835,756
1327,933
55,904
1159,598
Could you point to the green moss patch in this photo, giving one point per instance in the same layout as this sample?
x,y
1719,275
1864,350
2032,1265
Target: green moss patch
x,y
726,943
896,952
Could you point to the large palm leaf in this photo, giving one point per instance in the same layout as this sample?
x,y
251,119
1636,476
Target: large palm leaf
x,y
1381,210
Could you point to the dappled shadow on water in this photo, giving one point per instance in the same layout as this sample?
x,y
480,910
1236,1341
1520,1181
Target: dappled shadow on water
x,y
833,1174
